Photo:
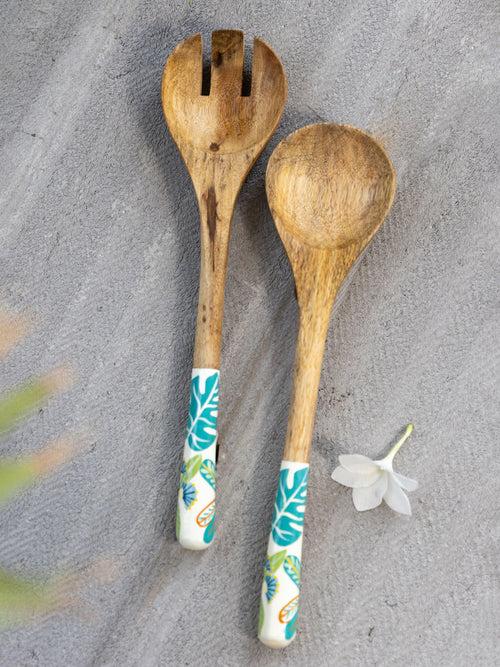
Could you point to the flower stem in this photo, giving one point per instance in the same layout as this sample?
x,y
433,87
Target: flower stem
x,y
395,449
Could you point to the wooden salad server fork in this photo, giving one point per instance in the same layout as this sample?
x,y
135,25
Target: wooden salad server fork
x,y
219,135
329,189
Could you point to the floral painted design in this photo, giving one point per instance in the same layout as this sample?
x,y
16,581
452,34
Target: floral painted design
x,y
292,566
196,506
291,626
207,471
273,563
289,610
209,532
202,426
206,515
289,506
190,467
271,586
187,489
188,495
278,611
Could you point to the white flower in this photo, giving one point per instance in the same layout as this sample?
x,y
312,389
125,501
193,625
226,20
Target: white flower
x,y
374,481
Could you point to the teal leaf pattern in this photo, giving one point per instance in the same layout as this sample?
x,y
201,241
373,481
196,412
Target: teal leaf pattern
x,y
289,506
292,567
271,586
291,628
207,471
190,468
209,533
202,426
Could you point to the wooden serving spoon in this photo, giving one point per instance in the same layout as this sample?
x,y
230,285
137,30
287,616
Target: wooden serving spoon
x,y
220,135
329,188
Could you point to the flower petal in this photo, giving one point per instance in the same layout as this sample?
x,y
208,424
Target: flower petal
x,y
396,498
371,496
406,482
358,463
353,479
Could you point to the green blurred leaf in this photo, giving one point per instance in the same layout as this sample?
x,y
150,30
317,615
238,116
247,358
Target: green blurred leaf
x,y
15,476
21,401
20,598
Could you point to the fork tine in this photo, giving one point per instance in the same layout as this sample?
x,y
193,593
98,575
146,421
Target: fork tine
x,y
184,66
267,71
227,63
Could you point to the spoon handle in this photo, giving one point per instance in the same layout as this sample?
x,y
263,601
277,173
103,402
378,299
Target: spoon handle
x,y
281,585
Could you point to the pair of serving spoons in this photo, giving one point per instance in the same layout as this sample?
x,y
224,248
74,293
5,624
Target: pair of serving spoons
x,y
329,188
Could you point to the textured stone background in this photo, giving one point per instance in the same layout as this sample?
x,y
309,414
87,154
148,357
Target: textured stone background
x,y
99,239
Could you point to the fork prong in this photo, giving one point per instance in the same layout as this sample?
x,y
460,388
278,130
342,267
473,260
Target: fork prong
x,y
267,71
227,63
183,67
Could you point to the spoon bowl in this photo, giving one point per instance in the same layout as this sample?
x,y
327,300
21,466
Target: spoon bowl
x,y
329,185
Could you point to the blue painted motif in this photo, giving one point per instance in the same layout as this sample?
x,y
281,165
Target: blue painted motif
x,y
271,586
188,494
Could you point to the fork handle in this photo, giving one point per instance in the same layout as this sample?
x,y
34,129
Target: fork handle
x,y
195,527
195,522
279,603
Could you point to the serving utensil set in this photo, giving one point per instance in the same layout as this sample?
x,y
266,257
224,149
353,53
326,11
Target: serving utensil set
x,y
329,188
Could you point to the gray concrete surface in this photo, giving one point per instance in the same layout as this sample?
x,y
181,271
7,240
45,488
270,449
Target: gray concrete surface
x,y
99,239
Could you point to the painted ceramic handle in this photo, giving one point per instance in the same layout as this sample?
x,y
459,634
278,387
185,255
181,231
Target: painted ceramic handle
x,y
279,602
195,524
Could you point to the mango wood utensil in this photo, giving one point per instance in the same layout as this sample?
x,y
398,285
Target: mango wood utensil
x,y
329,188
219,135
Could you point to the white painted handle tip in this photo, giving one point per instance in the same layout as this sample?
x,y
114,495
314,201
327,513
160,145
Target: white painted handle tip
x,y
195,522
273,642
192,542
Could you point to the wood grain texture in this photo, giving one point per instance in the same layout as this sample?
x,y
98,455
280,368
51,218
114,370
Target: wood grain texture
x,y
329,188
220,136
99,241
